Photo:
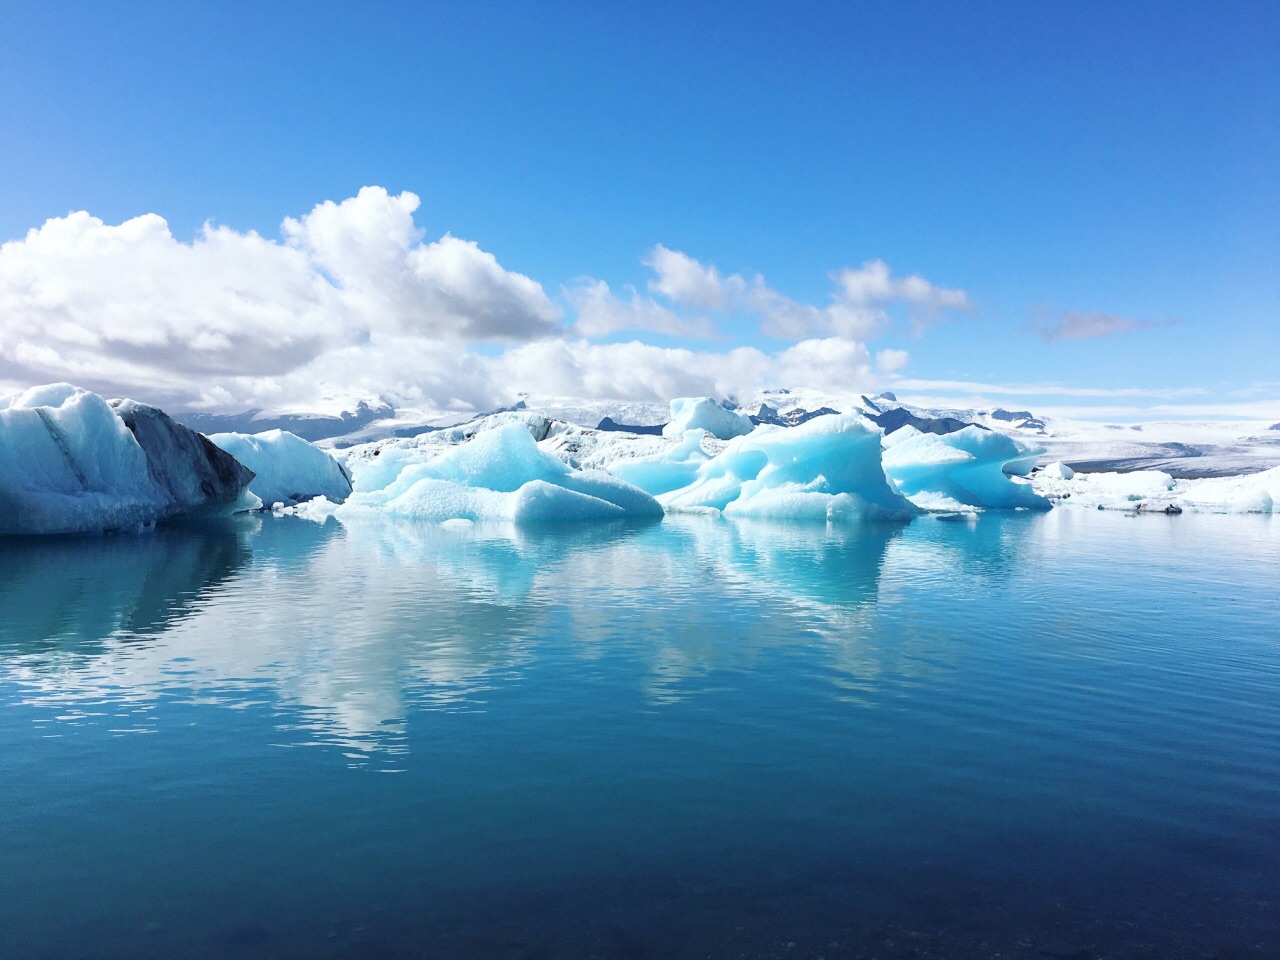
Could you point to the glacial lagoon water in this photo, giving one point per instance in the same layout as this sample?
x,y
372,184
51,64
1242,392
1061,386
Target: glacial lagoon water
x,y
1051,735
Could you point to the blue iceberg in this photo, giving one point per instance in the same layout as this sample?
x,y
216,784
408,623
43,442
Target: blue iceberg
x,y
287,469
967,469
499,474
826,469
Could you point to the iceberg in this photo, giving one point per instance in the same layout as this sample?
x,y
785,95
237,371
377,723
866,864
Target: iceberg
x,y
703,413
499,474
667,470
828,468
1154,491
287,469
72,462
1106,491
962,470
1252,493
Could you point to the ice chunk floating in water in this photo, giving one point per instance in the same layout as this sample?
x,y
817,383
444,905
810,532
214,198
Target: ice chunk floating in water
x,y
826,469
70,463
287,469
500,474
703,413
1154,490
968,468
1255,493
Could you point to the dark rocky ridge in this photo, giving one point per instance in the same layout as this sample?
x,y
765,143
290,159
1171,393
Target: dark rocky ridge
x,y
897,418
793,418
608,424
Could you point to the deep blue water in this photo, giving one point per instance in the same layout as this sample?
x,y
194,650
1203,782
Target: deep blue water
x,y
1034,736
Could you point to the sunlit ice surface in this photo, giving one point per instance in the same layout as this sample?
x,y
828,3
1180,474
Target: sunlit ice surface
x,y
1033,735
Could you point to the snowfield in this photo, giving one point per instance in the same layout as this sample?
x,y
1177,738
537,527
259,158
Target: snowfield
x,y
71,462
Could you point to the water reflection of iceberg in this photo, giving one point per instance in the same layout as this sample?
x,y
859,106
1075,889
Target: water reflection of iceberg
x,y
835,566
345,629
742,590
505,563
81,590
335,624
987,549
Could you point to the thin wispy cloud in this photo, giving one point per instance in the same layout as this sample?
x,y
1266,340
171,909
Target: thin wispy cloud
x,y
1081,325
1045,389
860,303
1258,414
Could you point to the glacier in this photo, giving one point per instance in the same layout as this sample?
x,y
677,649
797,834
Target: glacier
x,y
287,469
72,462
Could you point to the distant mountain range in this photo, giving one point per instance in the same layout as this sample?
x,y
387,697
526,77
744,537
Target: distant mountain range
x,y
1183,449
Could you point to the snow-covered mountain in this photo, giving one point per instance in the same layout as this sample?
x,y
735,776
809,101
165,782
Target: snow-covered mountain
x,y
308,426
1182,448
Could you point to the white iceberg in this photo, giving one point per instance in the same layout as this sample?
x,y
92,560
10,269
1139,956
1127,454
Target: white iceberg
x,y
287,469
826,469
962,470
703,413
499,474
1252,493
1156,492
70,462
1106,490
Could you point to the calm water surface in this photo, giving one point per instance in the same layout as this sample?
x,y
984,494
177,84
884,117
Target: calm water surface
x,y
1033,736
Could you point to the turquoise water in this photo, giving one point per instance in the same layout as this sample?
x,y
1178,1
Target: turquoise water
x,y
1033,736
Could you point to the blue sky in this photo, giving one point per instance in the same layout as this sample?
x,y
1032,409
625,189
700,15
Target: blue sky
x,y
1112,163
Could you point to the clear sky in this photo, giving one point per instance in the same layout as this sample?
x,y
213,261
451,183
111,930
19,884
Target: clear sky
x,y
1086,193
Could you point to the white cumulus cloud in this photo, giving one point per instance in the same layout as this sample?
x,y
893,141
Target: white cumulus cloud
x,y
131,306
601,312
859,309
353,301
